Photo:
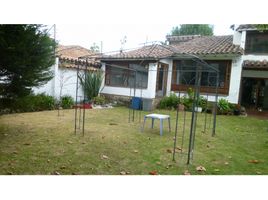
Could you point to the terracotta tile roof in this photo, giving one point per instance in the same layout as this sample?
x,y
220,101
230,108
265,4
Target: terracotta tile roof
x,y
204,45
147,52
246,27
255,64
209,45
68,56
72,51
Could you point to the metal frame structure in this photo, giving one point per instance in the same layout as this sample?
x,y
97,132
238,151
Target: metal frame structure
x,y
200,65
78,119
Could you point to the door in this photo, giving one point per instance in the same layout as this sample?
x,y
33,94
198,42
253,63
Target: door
x,y
161,80
254,93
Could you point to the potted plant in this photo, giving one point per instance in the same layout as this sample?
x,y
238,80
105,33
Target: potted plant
x,y
91,84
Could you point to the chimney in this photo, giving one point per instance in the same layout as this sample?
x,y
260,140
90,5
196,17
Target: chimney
x,y
176,39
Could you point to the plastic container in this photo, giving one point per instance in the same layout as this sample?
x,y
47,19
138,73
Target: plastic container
x,y
136,103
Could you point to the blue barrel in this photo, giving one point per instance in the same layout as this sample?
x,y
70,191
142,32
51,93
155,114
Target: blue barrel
x,y
136,103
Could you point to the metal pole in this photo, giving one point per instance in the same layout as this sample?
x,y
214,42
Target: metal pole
x,y
215,106
133,114
84,99
176,131
206,109
76,93
197,100
193,119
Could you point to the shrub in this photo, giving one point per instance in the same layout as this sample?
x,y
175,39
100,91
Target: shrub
x,y
169,102
99,100
92,83
67,102
32,103
188,100
224,106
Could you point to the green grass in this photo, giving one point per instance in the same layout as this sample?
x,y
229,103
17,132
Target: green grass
x,y
43,143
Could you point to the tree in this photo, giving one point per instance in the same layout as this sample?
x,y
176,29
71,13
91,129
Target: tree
x,y
192,29
27,54
95,48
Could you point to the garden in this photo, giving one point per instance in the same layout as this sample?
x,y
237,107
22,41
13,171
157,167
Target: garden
x,y
44,143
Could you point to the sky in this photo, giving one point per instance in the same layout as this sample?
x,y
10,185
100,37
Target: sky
x,y
110,35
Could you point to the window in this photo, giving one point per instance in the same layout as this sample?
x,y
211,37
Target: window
x,y
184,76
120,77
256,42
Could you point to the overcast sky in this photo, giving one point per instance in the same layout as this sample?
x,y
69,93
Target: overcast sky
x,y
111,34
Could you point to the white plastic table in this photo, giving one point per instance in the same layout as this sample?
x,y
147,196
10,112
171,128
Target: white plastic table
x,y
157,116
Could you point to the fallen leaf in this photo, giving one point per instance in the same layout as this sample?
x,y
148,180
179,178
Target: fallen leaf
x,y
136,151
186,172
55,173
123,173
169,150
154,172
200,168
254,161
258,172
104,157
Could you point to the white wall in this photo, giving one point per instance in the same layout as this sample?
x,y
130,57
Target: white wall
x,y
255,74
149,92
64,79
234,88
169,77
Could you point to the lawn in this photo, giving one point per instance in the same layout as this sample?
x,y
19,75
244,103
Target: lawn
x,y
45,143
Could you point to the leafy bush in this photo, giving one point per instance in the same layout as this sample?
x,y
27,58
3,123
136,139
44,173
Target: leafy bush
x,y
188,100
92,83
32,103
224,106
169,102
99,100
67,102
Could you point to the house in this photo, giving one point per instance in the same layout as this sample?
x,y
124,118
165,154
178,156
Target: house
x,y
254,61
241,58
159,68
65,71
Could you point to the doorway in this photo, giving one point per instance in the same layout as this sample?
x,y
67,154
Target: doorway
x,y
255,93
161,79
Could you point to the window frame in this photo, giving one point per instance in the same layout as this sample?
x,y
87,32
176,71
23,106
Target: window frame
x,y
204,89
108,74
251,35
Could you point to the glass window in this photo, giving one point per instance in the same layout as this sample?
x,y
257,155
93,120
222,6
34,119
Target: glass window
x,y
256,42
126,78
184,74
